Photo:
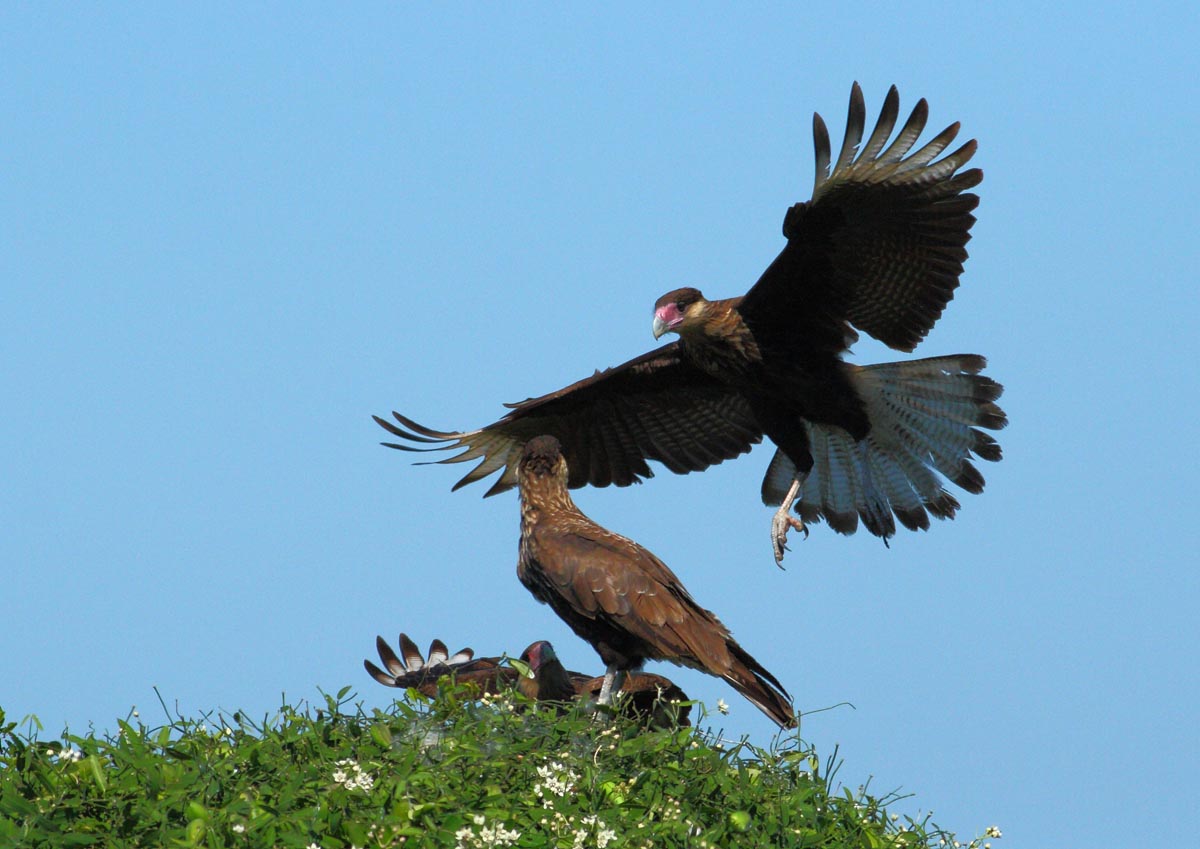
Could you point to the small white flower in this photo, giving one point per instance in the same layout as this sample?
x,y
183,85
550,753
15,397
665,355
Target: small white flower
x,y
238,828
722,707
496,835
556,778
355,779
993,831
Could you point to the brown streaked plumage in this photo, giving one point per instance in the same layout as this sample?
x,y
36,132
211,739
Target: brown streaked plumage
x,y
646,697
879,247
618,596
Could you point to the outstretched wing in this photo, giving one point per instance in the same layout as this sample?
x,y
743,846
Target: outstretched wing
x,y
655,407
881,243
410,670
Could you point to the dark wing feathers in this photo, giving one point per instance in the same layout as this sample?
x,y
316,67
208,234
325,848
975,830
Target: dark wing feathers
x,y
882,242
390,661
654,407
652,698
409,669
880,246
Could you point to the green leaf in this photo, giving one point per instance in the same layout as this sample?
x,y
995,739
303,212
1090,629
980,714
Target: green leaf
x,y
612,792
96,770
739,820
521,667
357,834
194,832
381,734
12,804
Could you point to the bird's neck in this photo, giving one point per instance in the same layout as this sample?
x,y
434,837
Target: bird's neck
x,y
542,498
721,345
554,684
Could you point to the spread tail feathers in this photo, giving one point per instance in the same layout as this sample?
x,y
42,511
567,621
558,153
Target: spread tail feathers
x,y
925,417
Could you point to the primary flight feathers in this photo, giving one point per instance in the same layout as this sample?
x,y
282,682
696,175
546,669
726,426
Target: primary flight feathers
x,y
879,248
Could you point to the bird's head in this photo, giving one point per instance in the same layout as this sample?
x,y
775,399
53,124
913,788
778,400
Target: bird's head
x,y
676,311
538,655
542,458
550,679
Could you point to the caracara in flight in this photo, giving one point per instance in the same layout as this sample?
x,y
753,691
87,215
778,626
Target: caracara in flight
x,y
618,596
645,697
879,248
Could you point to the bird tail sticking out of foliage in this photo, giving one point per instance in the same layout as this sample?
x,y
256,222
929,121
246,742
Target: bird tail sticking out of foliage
x,y
924,418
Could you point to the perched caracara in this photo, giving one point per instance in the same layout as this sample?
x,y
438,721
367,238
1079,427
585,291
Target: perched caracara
x,y
618,596
646,697
880,248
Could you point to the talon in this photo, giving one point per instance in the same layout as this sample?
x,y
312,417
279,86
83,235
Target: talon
x,y
781,523
783,520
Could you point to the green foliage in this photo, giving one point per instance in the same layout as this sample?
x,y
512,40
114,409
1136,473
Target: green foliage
x,y
448,772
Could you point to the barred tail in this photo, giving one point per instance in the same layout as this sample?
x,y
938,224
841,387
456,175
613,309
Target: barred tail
x,y
925,416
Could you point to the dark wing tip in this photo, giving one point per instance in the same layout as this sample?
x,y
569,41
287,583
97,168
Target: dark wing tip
x,y
415,432
378,674
438,653
388,657
411,654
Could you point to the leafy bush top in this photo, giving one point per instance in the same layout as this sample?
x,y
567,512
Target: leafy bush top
x,y
447,772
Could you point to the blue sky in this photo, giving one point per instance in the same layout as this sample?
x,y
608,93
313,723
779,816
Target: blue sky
x,y
229,235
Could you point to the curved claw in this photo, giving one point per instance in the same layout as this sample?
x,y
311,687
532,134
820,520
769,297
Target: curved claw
x,y
781,523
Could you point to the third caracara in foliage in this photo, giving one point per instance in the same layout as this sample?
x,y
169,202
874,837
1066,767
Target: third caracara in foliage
x,y
648,698
618,596
879,247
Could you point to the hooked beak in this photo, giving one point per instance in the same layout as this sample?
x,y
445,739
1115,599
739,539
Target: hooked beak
x,y
667,319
